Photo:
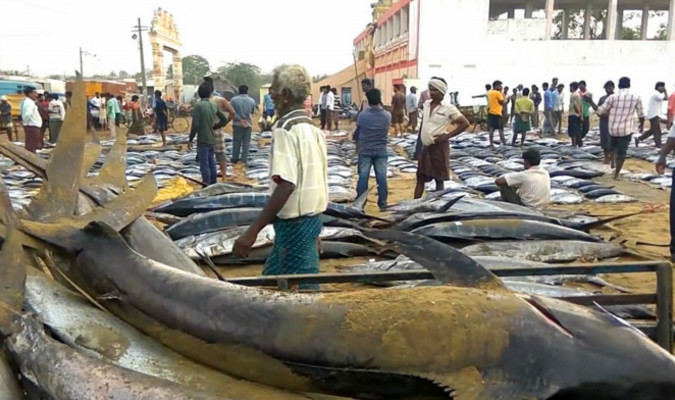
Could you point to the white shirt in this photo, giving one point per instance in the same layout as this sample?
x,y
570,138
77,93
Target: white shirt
x,y
330,101
30,116
299,157
57,111
434,122
532,185
655,105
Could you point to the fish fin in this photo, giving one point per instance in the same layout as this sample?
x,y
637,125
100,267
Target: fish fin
x,y
91,153
13,263
592,225
465,384
361,201
448,264
450,203
114,166
23,157
58,196
118,213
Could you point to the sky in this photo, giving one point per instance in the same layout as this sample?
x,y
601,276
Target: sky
x,y
46,36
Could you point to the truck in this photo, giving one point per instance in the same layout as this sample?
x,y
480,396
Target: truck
x,y
93,86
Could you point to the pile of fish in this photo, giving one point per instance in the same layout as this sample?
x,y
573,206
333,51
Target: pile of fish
x,y
169,332
572,169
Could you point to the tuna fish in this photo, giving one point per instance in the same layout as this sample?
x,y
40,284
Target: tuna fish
x,y
319,336
546,250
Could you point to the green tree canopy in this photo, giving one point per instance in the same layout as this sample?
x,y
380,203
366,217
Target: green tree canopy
x,y
242,74
123,74
195,68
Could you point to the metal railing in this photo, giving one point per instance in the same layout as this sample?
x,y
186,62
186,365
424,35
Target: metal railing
x,y
662,297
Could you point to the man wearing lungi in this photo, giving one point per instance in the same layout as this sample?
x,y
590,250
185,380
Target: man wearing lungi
x,y
299,181
434,158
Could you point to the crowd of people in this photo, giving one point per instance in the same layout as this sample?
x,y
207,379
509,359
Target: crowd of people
x,y
40,113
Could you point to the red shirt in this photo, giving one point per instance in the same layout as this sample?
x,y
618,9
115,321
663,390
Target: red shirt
x,y
671,107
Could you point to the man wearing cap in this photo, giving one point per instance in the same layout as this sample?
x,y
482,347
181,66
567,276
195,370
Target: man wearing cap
x,y
531,187
433,163
6,117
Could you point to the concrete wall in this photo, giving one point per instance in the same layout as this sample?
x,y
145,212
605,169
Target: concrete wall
x,y
455,43
346,78
518,29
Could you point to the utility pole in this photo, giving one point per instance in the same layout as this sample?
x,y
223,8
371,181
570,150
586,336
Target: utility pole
x,y
138,31
84,53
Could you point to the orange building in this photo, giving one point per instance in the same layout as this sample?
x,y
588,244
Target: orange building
x,y
347,82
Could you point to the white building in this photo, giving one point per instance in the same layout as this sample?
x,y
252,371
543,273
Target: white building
x,y
467,43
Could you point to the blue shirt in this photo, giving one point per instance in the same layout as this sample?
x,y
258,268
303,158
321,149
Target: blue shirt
x,y
243,107
373,131
548,100
268,102
160,109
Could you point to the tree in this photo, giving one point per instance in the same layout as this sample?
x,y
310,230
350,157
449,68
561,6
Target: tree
x,y
195,68
242,74
317,78
148,75
123,74
55,76
112,75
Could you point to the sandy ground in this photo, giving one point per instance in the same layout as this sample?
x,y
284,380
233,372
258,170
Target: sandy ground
x,y
646,235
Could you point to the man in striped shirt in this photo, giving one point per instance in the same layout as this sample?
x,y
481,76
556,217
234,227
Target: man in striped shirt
x,y
621,108
299,181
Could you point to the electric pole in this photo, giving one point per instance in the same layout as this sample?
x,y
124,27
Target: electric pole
x,y
84,53
138,31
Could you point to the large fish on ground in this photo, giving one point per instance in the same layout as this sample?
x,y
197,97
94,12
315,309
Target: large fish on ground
x,y
344,342
501,229
546,250
74,321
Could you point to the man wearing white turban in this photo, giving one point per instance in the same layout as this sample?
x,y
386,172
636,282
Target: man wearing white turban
x,y
434,158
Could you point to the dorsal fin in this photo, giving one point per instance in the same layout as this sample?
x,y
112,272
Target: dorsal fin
x,y
448,264
114,167
91,153
58,196
361,201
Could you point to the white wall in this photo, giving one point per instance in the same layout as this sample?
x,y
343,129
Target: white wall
x,y
518,29
455,44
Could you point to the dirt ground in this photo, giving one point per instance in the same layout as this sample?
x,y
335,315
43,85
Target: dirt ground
x,y
645,235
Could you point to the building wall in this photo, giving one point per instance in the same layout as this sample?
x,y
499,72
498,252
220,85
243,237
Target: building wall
x,y
476,57
343,80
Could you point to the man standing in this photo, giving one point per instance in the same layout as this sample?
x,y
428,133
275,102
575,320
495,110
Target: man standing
x,y
496,104
367,85
119,105
68,103
548,129
411,109
57,113
604,125
621,108
558,107
512,100
244,107
268,105
111,112
32,122
397,110
43,109
6,124
224,106
372,149
654,114
330,107
337,107
96,110
505,109
574,115
524,110
585,109
668,148
434,157
533,185
204,113
535,96
323,106
161,115
298,181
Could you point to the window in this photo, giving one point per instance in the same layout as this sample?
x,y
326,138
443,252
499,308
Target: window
x,y
397,25
346,96
404,19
